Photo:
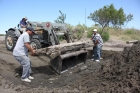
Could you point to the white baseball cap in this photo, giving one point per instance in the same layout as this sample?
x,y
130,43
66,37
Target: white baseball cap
x,y
25,17
95,30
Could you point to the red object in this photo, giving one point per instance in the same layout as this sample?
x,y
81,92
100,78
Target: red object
x,y
48,25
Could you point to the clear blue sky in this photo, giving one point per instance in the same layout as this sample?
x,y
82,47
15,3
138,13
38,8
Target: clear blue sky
x,y
12,11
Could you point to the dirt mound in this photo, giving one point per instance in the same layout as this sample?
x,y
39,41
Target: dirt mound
x,y
120,75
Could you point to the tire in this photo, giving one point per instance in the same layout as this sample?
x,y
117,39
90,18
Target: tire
x,y
10,40
35,43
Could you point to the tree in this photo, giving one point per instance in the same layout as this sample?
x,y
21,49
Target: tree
x,y
61,19
129,18
109,16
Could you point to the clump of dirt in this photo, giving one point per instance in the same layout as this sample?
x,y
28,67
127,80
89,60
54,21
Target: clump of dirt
x,y
120,75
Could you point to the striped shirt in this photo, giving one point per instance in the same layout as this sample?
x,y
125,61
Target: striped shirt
x,y
99,38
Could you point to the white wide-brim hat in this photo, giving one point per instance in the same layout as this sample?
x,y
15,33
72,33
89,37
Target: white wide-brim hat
x,y
95,30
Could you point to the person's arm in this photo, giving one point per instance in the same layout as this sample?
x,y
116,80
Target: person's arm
x,y
92,37
29,48
96,42
26,40
22,24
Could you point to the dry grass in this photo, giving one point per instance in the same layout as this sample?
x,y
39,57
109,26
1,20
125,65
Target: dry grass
x,y
2,34
124,35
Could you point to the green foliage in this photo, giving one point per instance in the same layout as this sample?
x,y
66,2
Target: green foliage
x,y
78,31
129,32
105,36
90,33
70,27
109,16
61,19
61,38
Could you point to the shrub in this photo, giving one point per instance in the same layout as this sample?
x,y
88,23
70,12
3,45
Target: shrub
x,y
78,31
90,33
105,36
61,38
129,32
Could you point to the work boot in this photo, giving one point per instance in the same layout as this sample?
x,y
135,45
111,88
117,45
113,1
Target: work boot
x,y
26,80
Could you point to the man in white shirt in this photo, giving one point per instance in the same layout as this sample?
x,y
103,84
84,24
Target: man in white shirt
x,y
20,53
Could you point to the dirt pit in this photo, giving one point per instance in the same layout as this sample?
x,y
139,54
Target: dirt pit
x,y
117,73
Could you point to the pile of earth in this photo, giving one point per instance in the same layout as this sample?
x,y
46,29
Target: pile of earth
x,y
120,75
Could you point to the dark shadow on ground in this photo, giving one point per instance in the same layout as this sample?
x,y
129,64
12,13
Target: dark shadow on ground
x,y
37,70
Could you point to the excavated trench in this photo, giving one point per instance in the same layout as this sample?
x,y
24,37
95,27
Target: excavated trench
x,y
118,72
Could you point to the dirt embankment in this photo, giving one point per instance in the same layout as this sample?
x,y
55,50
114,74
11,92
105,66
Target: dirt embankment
x,y
119,75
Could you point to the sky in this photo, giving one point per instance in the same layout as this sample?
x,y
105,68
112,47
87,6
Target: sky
x,y
77,11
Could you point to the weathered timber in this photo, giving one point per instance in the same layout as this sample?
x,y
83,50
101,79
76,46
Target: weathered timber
x,y
73,54
133,41
57,50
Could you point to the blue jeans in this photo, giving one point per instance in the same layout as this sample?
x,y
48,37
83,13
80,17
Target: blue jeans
x,y
26,64
101,51
97,52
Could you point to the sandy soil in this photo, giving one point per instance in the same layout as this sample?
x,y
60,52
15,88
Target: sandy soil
x,y
46,80
2,38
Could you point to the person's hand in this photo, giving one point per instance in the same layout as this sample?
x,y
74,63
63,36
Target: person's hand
x,y
34,48
25,26
90,38
33,53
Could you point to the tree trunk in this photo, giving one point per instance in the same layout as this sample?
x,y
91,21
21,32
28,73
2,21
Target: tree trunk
x,y
102,29
133,41
57,50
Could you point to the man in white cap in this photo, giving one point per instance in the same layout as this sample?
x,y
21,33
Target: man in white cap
x,y
98,43
20,53
23,24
